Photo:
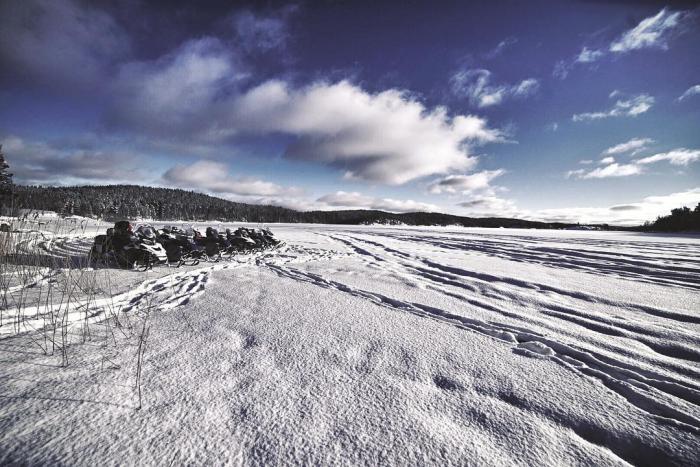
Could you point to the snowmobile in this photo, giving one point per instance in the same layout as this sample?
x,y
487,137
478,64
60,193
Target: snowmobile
x,y
269,239
123,247
240,241
214,244
147,243
248,240
179,247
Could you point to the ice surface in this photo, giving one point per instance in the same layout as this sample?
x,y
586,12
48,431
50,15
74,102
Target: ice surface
x,y
382,345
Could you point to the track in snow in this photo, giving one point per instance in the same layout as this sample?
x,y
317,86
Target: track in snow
x,y
644,353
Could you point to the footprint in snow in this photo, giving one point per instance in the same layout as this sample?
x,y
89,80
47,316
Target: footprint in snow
x,y
446,383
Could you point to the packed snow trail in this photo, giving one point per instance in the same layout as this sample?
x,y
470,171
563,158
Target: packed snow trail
x,y
359,345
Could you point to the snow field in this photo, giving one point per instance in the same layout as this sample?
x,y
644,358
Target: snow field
x,y
377,345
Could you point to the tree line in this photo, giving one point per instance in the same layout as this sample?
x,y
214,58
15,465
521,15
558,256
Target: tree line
x,y
114,202
680,220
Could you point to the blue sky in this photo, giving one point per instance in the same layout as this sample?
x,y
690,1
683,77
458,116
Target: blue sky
x,y
578,111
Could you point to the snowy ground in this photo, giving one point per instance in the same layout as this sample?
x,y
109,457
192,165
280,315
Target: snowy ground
x,y
374,345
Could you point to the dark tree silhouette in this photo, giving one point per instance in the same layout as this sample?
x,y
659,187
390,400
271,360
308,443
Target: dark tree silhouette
x,y
5,183
681,219
130,202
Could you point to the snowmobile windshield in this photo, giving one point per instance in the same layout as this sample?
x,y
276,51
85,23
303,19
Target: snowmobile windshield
x,y
147,231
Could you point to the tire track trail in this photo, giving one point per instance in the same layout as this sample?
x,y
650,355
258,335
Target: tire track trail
x,y
665,386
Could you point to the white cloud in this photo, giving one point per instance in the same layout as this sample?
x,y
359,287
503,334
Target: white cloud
x,y
453,184
387,137
588,55
690,92
634,213
476,86
177,93
633,146
397,205
680,156
214,176
610,170
343,199
635,105
578,173
192,95
37,162
489,206
525,88
652,32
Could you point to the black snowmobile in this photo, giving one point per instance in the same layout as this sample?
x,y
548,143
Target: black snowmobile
x,y
123,247
180,248
249,240
215,244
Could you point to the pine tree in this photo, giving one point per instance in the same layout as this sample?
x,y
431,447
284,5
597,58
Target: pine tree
x,y
5,184
5,175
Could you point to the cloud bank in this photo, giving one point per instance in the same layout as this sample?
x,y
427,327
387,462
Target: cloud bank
x,y
387,137
622,214
680,157
489,205
355,200
214,177
36,162
453,184
204,93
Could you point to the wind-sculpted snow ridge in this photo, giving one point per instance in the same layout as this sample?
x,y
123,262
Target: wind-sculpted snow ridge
x,y
392,345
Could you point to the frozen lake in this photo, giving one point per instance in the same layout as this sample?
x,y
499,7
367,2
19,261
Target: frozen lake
x,y
378,345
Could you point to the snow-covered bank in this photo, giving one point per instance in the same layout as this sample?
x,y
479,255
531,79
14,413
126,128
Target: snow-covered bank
x,y
366,345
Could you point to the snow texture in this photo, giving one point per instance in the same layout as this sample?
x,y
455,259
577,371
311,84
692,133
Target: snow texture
x,y
382,345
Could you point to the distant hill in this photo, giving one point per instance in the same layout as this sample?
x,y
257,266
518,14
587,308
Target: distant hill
x,y
131,201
